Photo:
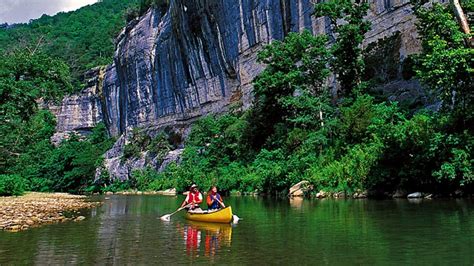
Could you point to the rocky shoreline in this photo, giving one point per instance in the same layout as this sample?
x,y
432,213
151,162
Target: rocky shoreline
x,y
167,192
305,189
35,209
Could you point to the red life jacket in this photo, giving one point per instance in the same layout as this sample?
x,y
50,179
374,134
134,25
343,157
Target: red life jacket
x,y
196,197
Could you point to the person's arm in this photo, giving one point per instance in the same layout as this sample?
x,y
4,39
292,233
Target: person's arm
x,y
186,201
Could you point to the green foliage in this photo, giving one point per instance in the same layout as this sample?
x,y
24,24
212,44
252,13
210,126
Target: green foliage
x,y
269,171
355,119
295,67
24,78
118,186
70,167
347,62
142,7
382,59
160,4
468,6
138,142
349,173
457,162
12,185
220,137
159,145
130,151
460,166
447,63
437,21
366,146
292,132
150,179
83,38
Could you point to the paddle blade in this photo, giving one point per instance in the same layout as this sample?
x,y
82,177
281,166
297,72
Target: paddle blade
x,y
235,219
165,217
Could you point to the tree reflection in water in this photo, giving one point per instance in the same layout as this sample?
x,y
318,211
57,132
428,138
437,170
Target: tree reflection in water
x,y
215,237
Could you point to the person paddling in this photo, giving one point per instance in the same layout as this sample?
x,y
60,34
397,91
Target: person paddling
x,y
194,198
214,200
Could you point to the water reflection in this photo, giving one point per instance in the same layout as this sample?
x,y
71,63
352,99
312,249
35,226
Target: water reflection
x,y
211,236
126,230
296,202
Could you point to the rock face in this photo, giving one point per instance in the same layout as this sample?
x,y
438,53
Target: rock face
x,y
390,17
321,194
79,112
194,59
198,57
300,189
415,195
120,169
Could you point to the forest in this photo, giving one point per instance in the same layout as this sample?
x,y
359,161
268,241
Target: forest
x,y
344,139
83,39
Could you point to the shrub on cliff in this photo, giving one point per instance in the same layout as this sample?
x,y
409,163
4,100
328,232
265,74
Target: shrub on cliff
x,y
12,185
142,7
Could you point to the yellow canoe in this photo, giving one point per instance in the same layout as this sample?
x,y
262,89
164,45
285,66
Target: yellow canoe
x,y
220,216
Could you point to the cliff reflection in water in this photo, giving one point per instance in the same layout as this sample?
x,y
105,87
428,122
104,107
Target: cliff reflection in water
x,y
210,236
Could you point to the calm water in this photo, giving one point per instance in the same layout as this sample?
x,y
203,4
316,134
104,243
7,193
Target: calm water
x,y
127,230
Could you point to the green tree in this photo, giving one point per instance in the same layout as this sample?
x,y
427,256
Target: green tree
x,y
83,38
70,167
11,185
295,74
349,26
446,64
25,78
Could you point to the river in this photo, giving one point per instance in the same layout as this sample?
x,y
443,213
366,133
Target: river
x,y
127,230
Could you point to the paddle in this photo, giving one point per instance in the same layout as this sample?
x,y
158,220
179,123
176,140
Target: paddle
x,y
167,217
220,202
235,219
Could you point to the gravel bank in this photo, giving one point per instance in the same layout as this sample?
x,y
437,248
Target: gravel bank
x,y
34,209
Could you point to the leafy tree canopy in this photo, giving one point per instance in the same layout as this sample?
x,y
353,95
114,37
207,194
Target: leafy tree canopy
x,y
83,38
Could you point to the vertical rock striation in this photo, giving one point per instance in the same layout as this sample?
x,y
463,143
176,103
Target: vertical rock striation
x,y
79,112
191,60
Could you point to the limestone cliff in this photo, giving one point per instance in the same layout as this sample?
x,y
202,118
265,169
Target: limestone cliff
x,y
199,57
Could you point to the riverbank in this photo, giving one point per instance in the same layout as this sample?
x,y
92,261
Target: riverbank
x,y
167,192
35,209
